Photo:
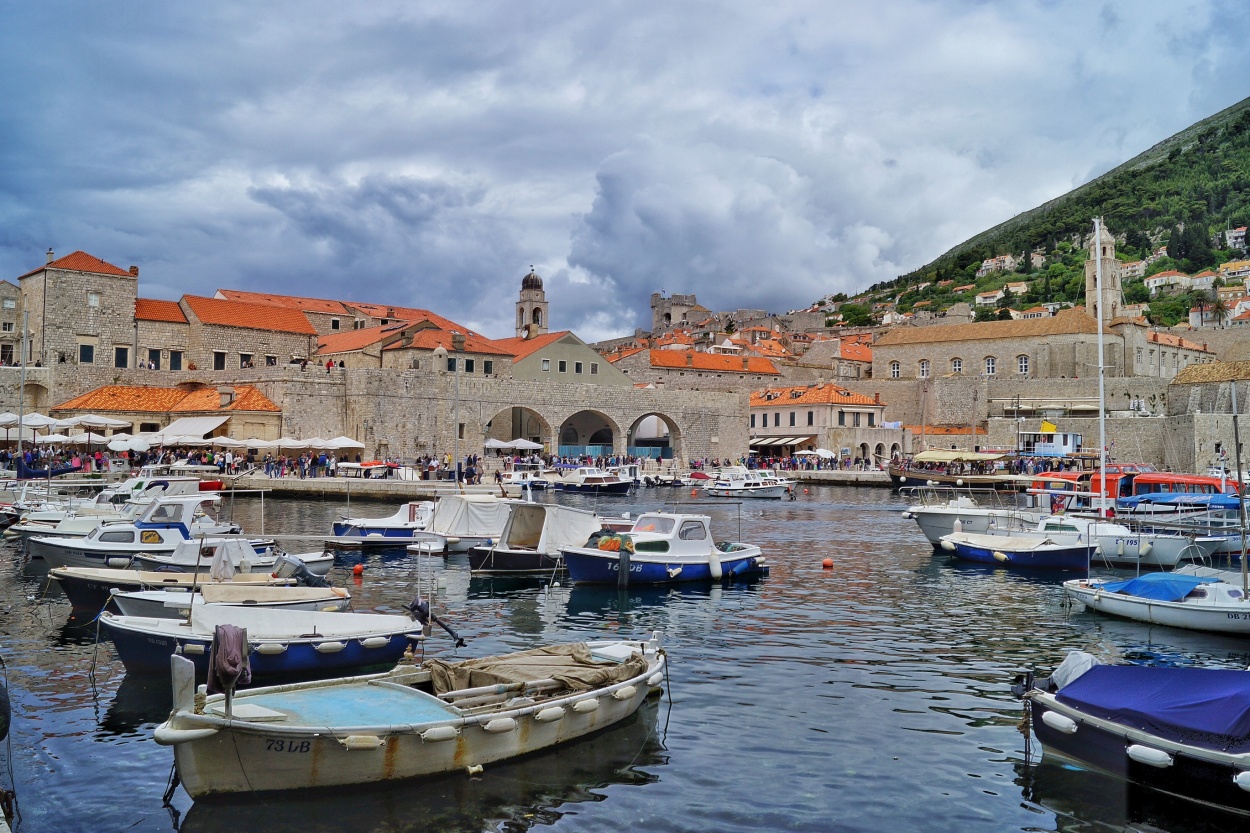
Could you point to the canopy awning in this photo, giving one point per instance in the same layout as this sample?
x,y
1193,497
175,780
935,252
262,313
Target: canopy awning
x,y
939,456
767,441
193,426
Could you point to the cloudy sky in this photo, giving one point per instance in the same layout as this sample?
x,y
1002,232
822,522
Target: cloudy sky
x,y
426,154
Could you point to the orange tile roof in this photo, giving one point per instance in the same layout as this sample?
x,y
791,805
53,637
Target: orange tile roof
x,y
1169,340
82,262
293,302
856,351
1170,273
520,348
149,399
349,341
1068,321
408,314
147,309
676,359
433,338
617,355
248,315
823,394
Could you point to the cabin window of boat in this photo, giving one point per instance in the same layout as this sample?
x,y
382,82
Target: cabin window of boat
x,y
564,366
692,531
127,537
661,525
488,367
121,357
546,364
1197,593
166,512
219,360
896,370
1234,594
175,359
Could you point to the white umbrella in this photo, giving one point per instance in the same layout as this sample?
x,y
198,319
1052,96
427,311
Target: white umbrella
x,y
229,442
493,443
804,453
8,419
96,421
287,442
87,437
316,442
824,453
129,444
341,442
36,420
52,438
526,445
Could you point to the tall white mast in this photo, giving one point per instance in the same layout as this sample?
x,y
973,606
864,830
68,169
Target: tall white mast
x,y
1102,390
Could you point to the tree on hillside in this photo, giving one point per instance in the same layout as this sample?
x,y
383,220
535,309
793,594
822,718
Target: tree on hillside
x,y
1007,299
856,315
1135,292
1004,314
986,314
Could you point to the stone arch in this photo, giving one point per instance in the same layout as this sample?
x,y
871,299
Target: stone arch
x,y
520,423
588,432
878,454
896,451
863,451
654,431
538,317
35,396
520,317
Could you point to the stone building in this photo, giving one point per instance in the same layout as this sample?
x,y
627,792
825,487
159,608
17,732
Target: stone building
x,y
692,370
10,323
236,411
531,307
161,334
784,420
226,335
560,356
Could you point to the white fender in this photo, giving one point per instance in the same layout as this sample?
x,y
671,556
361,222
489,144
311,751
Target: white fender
x,y
166,735
117,563
958,525
655,679
625,693
361,743
500,725
193,648
550,714
440,733
1241,779
329,647
586,706
1144,549
1149,756
375,642
270,649
1059,722
999,555
947,545
713,564
1119,547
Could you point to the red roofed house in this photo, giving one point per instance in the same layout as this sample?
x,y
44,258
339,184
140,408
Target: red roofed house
x,y
238,411
692,370
233,335
560,357
824,415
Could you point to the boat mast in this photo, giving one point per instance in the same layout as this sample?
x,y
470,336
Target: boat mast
x,y
1241,491
21,392
1102,391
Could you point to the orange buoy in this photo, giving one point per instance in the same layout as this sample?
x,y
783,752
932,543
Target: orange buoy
x,y
694,492
807,491
358,570
827,563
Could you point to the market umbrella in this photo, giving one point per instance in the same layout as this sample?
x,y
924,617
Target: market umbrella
x,y
493,443
342,442
526,445
129,444
52,438
87,437
804,453
824,454
96,421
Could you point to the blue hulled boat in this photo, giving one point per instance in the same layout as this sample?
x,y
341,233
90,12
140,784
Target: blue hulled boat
x,y
663,548
409,518
1028,551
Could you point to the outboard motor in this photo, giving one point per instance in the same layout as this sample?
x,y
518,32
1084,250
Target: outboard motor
x,y
288,566
420,610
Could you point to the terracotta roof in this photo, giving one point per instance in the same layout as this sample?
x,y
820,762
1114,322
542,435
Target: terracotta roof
x,y
1197,374
676,359
856,351
825,394
1069,321
147,309
943,430
248,315
623,354
291,301
349,341
1170,273
82,262
433,338
408,314
1169,340
148,399
519,348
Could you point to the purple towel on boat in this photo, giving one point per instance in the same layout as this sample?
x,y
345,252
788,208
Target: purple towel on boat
x,y
228,664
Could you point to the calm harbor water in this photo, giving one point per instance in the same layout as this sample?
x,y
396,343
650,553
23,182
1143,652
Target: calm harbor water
x,y
874,696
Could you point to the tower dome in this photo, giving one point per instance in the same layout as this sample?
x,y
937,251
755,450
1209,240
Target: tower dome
x,y
531,281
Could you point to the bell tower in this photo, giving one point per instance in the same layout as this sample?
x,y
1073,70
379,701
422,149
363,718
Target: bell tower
x,y
1103,249
531,307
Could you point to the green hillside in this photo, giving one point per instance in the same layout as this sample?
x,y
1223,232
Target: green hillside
x,y
1182,193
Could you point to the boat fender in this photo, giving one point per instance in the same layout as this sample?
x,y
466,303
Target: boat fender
x,y
1059,722
340,592
362,743
118,563
500,725
713,564
193,648
586,706
1242,779
1119,547
550,714
166,735
908,515
655,679
269,648
673,572
1145,548
375,642
625,693
332,647
450,540
1149,756
475,769
957,526
440,733
999,555
947,545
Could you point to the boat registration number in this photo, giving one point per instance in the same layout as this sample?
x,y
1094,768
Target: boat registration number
x,y
284,745
1238,615
633,568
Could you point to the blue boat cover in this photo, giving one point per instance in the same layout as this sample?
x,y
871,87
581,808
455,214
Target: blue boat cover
x,y
1162,587
1204,707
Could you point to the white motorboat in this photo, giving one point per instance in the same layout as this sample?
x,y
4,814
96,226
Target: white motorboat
x,y
532,538
741,482
461,522
175,604
1115,543
414,721
1194,597
940,512
410,517
593,480
243,555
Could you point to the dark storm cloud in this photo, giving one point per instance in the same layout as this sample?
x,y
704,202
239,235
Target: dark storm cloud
x,y
427,154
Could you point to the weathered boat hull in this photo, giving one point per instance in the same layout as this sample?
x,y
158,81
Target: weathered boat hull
x,y
587,566
487,559
1056,558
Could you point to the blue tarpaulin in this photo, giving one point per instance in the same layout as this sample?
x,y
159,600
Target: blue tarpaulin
x,y
1205,707
1162,587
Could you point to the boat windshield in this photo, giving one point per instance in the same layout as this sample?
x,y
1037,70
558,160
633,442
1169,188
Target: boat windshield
x,y
654,523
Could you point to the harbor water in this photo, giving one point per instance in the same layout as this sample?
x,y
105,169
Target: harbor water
x,y
873,696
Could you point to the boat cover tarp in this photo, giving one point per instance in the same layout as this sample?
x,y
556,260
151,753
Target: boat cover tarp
x,y
1162,587
1211,501
939,456
469,515
548,528
572,665
1204,707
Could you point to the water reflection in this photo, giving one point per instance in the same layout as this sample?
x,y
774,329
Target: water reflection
x,y
515,796
1083,800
